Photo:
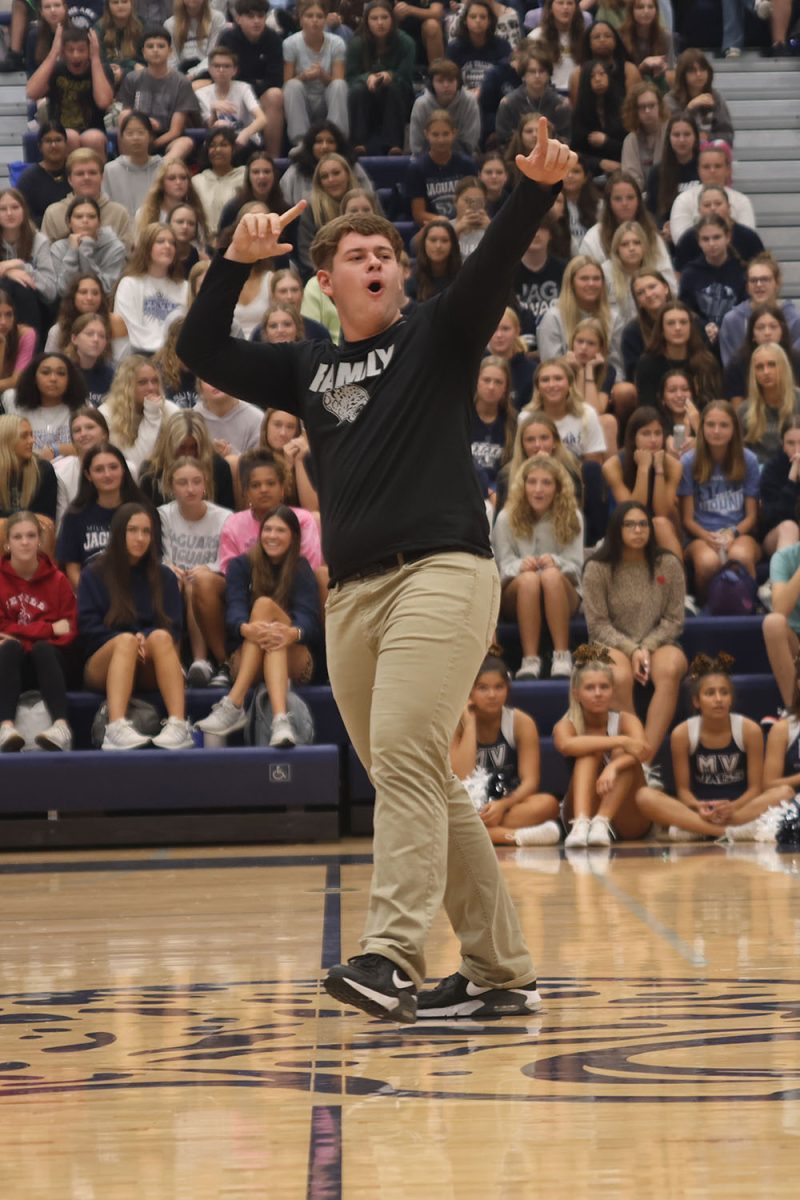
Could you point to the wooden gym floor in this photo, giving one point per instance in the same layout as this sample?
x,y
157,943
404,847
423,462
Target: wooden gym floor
x,y
163,1034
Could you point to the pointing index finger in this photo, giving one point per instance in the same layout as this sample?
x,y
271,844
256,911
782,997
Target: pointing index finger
x,y
293,213
541,136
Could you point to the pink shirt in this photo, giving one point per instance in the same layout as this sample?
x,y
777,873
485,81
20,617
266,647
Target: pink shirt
x,y
27,345
240,532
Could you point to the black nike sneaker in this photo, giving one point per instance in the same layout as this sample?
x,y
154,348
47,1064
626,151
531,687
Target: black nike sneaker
x,y
457,996
376,985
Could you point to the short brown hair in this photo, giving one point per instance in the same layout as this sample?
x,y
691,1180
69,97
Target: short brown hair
x,y
325,244
224,52
445,68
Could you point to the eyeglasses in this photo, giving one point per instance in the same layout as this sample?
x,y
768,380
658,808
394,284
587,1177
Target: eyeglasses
x,y
634,524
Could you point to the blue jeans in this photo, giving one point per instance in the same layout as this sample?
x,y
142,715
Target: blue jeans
x,y
733,21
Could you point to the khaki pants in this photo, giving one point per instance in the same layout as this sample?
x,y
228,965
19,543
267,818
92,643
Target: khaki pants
x,y
403,652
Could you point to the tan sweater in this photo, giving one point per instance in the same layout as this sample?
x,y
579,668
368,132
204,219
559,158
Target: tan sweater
x,y
628,609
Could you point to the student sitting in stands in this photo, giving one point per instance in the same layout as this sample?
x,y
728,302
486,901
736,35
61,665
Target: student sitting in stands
x,y
272,614
78,87
85,295
129,618
184,434
503,742
26,481
190,529
17,343
87,428
48,390
262,480
38,620
136,408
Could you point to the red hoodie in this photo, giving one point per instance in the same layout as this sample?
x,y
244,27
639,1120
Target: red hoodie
x,y
30,607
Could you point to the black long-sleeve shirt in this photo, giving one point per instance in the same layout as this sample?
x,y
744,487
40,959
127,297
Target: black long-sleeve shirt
x,y
388,418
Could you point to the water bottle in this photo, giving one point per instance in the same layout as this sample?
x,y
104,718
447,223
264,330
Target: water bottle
x,y
679,437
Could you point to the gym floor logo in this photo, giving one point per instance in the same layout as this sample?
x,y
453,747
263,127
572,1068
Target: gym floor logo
x,y
596,1040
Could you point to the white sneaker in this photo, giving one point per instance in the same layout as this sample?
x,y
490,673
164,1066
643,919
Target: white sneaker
x,y
282,733
11,740
676,834
176,735
764,9
579,833
200,673
561,666
123,735
600,832
735,51
225,717
546,834
57,737
530,667
741,833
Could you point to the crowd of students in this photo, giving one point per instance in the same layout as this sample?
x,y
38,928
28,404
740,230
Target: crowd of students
x,y
635,423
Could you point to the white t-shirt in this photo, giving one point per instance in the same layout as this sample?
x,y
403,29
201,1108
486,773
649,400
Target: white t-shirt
x,y
145,303
49,425
192,543
297,51
582,435
240,94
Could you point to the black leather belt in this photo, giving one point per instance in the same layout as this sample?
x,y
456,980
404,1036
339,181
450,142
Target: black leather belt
x,y
391,563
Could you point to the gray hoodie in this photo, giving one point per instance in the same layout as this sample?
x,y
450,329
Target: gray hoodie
x,y
103,256
128,184
465,114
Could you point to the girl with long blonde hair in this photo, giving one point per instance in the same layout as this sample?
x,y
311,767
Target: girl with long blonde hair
x,y
772,398
172,186
538,544
594,378
195,27
184,434
555,393
135,408
630,252
333,179
507,341
607,748
583,294
26,482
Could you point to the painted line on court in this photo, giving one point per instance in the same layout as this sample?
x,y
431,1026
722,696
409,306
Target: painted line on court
x,y
325,1154
332,918
663,931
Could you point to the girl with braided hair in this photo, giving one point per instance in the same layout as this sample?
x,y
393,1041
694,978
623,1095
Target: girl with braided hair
x,y
607,748
717,762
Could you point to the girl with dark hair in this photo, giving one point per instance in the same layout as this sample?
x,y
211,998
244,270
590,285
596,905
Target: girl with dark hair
x,y
597,129
105,485
221,181
38,620
25,258
494,176
89,347
607,748
438,261
582,202
717,762
179,384
261,184
120,32
560,32
650,291
765,323
87,428
602,43
693,92
17,343
39,39
502,744
262,480
128,178
633,596
273,615
677,169
643,471
779,492
538,544
475,45
715,282
151,289
719,497
676,342
129,618
679,414
48,390
648,43
282,435
26,482
380,75
323,137
183,223
88,248
623,201
85,295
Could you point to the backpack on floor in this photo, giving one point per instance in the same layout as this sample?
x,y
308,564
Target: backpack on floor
x,y
259,719
732,592
144,717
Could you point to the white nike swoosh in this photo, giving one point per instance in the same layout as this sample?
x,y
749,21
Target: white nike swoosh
x,y
474,990
401,983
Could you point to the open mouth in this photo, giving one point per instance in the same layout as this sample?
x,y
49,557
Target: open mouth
x,y
375,287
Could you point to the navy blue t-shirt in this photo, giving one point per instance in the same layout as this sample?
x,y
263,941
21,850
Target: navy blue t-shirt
x,y
534,293
98,382
437,183
487,442
84,534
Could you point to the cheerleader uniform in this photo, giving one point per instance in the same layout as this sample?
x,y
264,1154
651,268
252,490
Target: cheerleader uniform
x,y
718,774
499,758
